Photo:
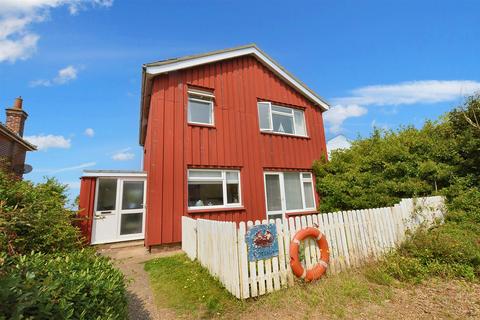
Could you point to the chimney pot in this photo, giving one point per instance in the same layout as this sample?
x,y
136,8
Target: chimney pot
x,y
18,103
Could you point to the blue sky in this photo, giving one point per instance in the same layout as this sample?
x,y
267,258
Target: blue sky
x,y
77,64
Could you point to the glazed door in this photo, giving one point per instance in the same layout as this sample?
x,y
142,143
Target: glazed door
x,y
131,209
119,210
105,218
273,196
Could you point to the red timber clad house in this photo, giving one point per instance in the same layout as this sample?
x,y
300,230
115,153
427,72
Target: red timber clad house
x,y
13,148
228,135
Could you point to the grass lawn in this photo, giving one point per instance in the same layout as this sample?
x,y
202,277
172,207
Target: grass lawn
x,y
188,289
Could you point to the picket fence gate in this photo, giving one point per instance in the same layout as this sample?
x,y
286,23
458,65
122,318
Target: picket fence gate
x,y
354,237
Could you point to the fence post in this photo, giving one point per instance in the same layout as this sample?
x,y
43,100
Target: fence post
x,y
243,261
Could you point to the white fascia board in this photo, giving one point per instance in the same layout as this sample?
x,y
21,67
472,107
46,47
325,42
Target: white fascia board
x,y
114,175
155,70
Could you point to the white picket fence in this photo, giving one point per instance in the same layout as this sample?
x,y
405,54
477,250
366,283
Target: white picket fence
x,y
354,237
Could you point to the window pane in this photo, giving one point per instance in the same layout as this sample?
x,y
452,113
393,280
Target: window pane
x,y
293,193
274,216
132,195
199,111
300,123
274,200
232,177
282,124
307,188
207,193
282,109
107,194
264,115
232,193
306,175
205,174
131,223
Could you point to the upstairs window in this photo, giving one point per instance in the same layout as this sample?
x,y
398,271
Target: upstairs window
x,y
280,119
200,107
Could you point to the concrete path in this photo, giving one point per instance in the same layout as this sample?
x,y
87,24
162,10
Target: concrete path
x,y
141,301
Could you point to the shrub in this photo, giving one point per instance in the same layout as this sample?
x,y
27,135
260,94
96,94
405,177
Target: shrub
x,y
464,206
44,272
34,217
442,157
449,244
74,285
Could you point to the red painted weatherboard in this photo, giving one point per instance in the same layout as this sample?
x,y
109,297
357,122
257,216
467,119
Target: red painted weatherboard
x,y
86,206
172,145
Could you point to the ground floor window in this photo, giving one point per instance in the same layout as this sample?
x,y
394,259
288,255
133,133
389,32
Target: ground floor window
x,y
213,188
288,192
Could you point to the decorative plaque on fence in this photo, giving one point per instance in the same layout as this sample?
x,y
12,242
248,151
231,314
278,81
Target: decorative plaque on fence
x,y
262,242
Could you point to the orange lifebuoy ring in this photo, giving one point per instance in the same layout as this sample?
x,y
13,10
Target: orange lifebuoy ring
x,y
319,269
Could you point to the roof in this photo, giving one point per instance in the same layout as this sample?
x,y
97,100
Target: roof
x,y
15,137
114,173
150,70
338,142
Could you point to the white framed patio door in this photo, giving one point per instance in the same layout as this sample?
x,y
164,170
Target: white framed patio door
x,y
119,213
274,196
288,192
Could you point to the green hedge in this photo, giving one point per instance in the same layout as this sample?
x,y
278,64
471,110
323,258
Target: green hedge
x,y
75,285
442,157
35,217
44,271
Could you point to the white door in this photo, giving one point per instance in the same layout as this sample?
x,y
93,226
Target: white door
x,y
131,209
119,213
288,192
274,196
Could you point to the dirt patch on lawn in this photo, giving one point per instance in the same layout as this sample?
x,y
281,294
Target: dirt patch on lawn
x,y
434,300
437,299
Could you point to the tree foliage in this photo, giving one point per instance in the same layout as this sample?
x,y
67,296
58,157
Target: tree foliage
x,y
442,157
393,164
44,271
34,217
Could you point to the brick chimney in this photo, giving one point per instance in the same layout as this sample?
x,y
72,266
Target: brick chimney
x,y
16,117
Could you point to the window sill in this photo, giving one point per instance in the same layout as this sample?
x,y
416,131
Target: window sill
x,y
285,135
207,210
209,126
301,213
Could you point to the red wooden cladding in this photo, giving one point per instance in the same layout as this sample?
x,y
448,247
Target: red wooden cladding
x,y
86,206
172,145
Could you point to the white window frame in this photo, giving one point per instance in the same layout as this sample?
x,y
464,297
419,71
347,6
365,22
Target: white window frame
x,y
203,97
223,179
292,115
284,210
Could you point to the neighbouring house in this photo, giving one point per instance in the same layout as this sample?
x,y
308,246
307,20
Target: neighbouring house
x,y
13,148
227,135
338,143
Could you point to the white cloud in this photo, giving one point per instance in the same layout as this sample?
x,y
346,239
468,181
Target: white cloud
x,y
44,142
73,185
412,92
393,95
72,168
89,132
338,114
64,75
339,142
123,155
380,125
16,16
